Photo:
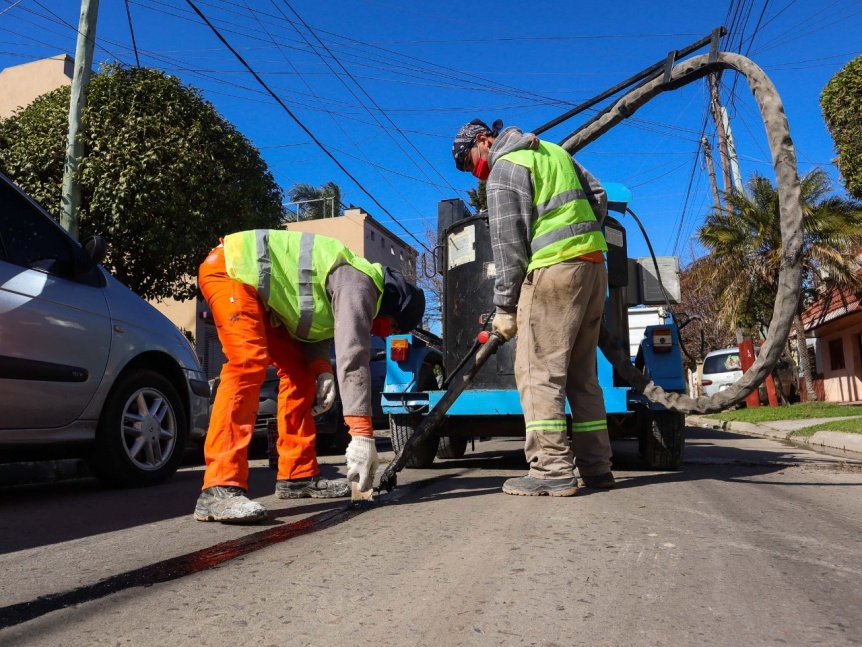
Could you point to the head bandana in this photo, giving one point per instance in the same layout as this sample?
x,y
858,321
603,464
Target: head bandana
x,y
401,300
466,137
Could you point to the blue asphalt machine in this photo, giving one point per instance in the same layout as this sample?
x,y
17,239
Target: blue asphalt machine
x,y
441,392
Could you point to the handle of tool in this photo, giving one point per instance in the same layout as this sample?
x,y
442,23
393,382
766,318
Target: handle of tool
x,y
436,415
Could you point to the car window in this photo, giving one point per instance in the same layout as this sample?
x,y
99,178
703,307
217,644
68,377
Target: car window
x,y
722,363
30,239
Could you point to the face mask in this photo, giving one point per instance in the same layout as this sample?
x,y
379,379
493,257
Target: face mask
x,y
381,326
481,169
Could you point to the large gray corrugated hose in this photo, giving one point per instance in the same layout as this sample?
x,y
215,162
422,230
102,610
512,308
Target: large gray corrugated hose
x,y
790,277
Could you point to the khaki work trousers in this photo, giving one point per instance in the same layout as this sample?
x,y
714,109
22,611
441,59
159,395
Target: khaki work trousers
x,y
559,314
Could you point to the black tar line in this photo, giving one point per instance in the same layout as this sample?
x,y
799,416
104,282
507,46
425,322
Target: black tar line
x,y
200,560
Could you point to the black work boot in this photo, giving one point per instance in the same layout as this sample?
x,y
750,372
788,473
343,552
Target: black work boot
x,y
313,487
529,486
228,504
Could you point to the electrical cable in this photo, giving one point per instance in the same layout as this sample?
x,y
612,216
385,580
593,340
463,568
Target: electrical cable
x,y
376,105
300,124
132,32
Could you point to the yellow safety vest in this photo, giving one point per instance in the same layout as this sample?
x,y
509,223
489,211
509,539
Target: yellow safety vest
x,y
564,226
289,270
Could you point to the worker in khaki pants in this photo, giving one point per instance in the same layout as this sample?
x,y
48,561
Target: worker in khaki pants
x,y
282,297
545,213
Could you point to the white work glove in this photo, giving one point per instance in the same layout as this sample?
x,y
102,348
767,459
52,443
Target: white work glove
x,y
325,394
362,462
505,325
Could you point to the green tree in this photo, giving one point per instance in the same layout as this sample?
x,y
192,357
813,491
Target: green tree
x,y
841,102
745,250
163,178
702,301
479,196
315,202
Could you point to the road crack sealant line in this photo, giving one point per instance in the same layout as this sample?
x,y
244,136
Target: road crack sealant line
x,y
790,207
200,560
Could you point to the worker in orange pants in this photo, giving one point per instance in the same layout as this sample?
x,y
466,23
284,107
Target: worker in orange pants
x,y
251,344
281,297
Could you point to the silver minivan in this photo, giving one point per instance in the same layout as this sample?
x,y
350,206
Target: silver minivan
x,y
87,368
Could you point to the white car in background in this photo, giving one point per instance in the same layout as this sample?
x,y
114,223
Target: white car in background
x,y
721,368
87,368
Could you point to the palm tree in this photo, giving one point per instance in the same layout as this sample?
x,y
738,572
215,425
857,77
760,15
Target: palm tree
x,y
745,250
314,202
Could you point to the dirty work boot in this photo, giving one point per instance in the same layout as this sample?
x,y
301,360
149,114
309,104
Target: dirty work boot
x,y
228,504
600,481
311,488
529,486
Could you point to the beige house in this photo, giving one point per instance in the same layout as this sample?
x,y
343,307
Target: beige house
x,y
365,237
20,84
361,233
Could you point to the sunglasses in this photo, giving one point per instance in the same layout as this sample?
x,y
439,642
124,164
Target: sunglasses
x,y
463,156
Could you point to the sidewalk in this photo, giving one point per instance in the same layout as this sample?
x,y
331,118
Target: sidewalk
x,y
784,430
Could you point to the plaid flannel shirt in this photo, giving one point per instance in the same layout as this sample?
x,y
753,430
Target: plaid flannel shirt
x,y
511,215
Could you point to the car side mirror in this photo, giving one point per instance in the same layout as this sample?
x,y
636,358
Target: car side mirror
x,y
96,249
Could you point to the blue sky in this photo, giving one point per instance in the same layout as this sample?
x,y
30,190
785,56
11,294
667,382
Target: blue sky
x,y
385,85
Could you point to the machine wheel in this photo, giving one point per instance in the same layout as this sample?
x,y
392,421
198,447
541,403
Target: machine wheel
x,y
664,440
142,432
402,426
450,447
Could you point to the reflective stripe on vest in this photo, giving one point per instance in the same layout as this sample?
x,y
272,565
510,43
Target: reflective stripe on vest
x,y
306,289
289,272
564,224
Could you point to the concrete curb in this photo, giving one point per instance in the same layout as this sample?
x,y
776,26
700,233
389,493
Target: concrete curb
x,y
835,440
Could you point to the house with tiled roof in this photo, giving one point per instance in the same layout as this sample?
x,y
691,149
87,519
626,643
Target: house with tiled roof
x,y
835,322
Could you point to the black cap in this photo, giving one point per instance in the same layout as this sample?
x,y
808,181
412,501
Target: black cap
x,y
402,300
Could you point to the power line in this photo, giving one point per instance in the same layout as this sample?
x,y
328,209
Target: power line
x,y
300,124
132,32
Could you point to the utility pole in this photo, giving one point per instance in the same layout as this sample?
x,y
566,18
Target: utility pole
x,y
74,146
710,167
716,108
731,151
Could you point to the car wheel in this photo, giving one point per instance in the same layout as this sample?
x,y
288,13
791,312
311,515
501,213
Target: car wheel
x,y
142,432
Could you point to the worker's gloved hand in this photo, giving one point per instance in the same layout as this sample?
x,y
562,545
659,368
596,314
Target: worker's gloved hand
x,y
325,394
505,324
362,462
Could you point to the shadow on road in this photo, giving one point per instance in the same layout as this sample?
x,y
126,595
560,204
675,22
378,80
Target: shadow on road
x,y
40,515
56,512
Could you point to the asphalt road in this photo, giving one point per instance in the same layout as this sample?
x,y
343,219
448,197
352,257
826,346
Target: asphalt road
x,y
752,543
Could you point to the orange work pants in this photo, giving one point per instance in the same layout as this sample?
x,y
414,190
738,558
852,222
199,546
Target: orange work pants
x,y
250,343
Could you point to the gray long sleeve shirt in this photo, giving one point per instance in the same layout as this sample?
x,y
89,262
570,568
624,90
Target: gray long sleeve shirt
x,y
354,302
511,215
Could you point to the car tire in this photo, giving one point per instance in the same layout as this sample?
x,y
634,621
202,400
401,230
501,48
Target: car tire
x,y
135,450
452,447
663,439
